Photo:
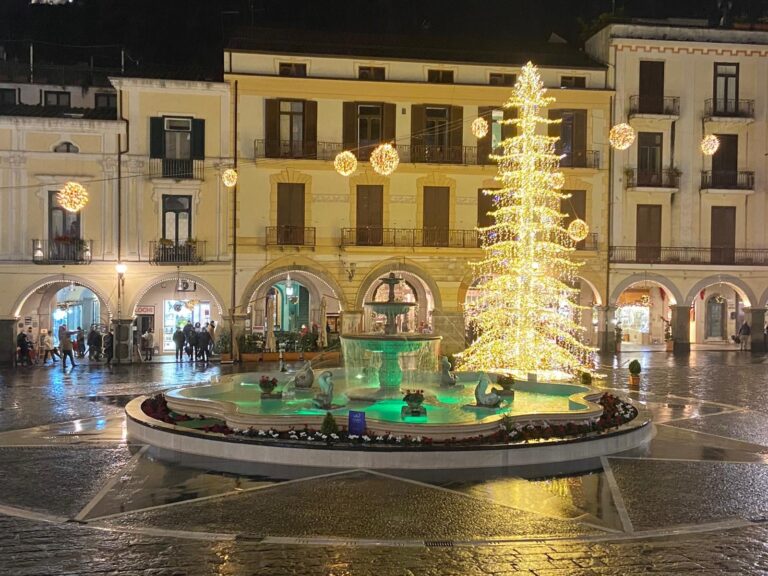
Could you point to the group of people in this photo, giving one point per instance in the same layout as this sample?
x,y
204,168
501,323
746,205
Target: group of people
x,y
196,341
70,342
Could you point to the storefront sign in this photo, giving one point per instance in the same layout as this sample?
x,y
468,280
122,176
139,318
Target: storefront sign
x,y
145,310
356,423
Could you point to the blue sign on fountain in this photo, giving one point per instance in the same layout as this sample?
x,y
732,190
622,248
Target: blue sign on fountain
x,y
356,423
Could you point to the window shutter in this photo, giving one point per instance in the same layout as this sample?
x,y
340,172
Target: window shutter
x,y
310,129
579,138
418,124
156,131
388,131
554,129
484,143
456,137
349,130
198,139
272,128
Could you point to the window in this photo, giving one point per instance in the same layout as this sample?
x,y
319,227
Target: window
x,y
291,128
365,125
573,81
437,127
63,225
370,215
290,214
52,98
725,162
178,142
723,240
499,79
436,215
369,127
106,100
436,133
440,76
370,73
292,69
649,158
572,131
726,88
651,83
66,147
648,232
177,218
7,96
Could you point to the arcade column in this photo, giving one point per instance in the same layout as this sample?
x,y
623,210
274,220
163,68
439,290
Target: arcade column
x,y
681,330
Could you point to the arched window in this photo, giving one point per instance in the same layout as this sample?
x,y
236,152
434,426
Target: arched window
x,y
66,147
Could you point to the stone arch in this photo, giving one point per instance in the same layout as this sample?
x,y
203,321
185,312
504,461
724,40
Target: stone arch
x,y
676,297
62,279
745,292
763,302
174,277
398,264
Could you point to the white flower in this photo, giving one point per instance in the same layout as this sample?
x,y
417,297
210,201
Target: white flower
x,y
335,436
310,438
262,433
379,438
302,434
353,436
417,439
324,437
399,439
367,438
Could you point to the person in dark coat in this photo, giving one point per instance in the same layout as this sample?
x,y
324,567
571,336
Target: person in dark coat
x,y
178,340
203,344
22,343
108,342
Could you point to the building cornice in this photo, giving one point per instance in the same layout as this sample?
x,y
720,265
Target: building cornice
x,y
164,84
67,124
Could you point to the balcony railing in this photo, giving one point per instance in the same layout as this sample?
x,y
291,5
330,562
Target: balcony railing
x,y
727,108
689,255
589,243
62,251
410,237
667,106
290,236
176,169
176,253
667,178
583,159
728,180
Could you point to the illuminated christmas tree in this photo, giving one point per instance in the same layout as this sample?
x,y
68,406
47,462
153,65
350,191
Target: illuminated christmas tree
x,y
525,314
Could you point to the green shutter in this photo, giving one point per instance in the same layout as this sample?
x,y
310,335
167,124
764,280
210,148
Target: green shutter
x,y
156,132
198,139
349,126
310,129
272,128
390,113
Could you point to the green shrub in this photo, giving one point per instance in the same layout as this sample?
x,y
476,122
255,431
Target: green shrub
x,y
634,367
329,426
586,378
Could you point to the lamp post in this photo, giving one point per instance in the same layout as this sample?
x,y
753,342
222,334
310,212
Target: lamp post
x,y
121,269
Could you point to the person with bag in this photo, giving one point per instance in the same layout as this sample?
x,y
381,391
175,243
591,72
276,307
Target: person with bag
x,y
744,335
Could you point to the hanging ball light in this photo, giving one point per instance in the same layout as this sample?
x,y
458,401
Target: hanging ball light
x,y
578,230
709,144
479,127
229,177
73,196
557,180
621,136
345,163
384,159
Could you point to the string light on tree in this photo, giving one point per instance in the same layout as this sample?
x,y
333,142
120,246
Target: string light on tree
x,y
384,159
345,163
480,127
557,180
621,136
525,310
578,230
229,177
72,197
709,144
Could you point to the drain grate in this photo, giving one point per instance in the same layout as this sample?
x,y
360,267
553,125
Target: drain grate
x,y
438,543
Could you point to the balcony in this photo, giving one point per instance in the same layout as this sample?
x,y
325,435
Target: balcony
x,y
688,255
296,150
583,159
668,178
62,250
176,169
716,108
185,253
727,180
290,236
410,237
652,106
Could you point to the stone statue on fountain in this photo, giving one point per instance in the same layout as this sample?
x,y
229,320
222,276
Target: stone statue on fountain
x,y
483,397
324,400
304,377
447,378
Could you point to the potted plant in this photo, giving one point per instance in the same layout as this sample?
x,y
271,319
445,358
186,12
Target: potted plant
x,y
634,372
267,384
223,344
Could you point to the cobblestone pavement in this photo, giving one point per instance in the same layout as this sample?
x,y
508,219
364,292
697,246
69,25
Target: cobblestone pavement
x,y
75,499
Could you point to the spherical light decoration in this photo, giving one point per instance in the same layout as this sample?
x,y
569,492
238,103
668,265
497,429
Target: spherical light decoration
x,y
557,180
479,127
709,144
345,163
578,230
384,159
72,197
621,136
229,177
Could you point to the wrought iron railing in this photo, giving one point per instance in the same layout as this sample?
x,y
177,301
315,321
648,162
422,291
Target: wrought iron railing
x,y
62,251
177,253
729,108
666,178
581,159
410,237
667,105
689,255
176,169
290,236
728,180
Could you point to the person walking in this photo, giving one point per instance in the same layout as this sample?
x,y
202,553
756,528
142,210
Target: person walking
x,y
203,345
149,344
48,348
108,341
178,340
192,345
22,346
744,336
67,348
212,334
80,342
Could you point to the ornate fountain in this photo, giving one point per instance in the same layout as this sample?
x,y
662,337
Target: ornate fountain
x,y
389,347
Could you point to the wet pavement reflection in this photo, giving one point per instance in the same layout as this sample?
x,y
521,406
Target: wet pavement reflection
x,y
692,499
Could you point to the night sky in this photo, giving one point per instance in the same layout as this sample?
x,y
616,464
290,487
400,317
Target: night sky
x,y
189,34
